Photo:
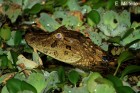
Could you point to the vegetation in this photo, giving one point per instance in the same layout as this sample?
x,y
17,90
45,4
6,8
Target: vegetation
x,y
112,27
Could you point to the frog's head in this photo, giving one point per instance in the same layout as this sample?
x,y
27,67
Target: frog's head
x,y
58,44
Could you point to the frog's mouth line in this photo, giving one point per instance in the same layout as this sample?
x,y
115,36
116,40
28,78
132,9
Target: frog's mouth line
x,y
64,56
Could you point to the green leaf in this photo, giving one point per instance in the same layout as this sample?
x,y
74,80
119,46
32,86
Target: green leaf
x,y
60,2
49,6
113,24
130,69
36,57
100,3
104,88
48,23
69,89
52,80
115,80
1,1
15,85
91,84
124,89
135,42
38,81
13,12
94,76
110,4
115,39
93,17
28,49
131,38
61,74
35,9
19,2
73,77
27,86
97,84
127,33
126,55
138,84
103,81
94,1
17,38
3,61
137,27
12,56
28,4
4,90
5,33
73,5
1,44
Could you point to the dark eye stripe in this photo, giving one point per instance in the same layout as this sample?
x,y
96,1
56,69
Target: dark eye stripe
x,y
54,44
68,47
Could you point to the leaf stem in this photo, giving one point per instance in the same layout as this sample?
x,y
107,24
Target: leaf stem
x,y
116,70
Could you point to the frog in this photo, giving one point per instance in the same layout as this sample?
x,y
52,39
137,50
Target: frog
x,y
68,46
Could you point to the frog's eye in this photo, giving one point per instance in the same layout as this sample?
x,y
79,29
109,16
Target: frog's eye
x,y
59,35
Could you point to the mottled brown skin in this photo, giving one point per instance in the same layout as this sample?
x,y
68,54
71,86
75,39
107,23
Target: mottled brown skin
x,y
67,46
